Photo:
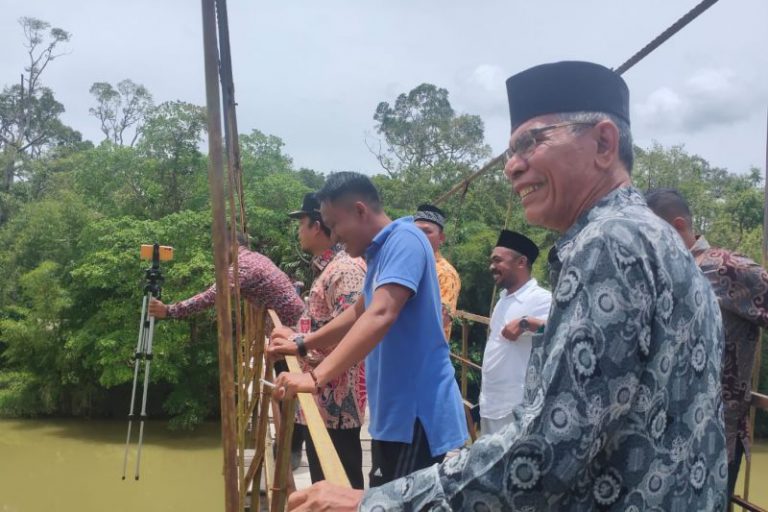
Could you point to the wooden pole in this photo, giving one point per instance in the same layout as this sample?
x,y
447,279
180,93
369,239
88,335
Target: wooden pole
x,y
758,345
464,355
218,229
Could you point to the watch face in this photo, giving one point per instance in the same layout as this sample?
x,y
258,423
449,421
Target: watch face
x,y
524,325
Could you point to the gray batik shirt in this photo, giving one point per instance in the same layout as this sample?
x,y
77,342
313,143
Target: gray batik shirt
x,y
623,407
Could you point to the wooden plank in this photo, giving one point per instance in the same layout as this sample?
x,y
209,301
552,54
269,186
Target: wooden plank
x,y
329,459
759,401
466,362
473,317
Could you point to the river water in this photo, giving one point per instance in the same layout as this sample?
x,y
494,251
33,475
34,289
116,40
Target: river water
x,y
76,466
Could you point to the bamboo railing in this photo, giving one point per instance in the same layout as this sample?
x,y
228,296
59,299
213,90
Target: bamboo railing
x,y
257,463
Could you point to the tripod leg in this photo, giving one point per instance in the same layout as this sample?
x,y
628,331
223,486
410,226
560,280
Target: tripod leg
x,y
137,362
147,363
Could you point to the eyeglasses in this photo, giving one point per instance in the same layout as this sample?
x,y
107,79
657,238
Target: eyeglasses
x,y
527,141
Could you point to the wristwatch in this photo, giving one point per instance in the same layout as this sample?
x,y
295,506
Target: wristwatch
x,y
525,324
300,346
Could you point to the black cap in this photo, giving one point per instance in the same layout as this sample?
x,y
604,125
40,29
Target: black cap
x,y
310,206
430,213
518,243
568,86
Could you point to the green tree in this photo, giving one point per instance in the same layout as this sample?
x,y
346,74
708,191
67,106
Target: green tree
x,y
29,113
120,108
170,138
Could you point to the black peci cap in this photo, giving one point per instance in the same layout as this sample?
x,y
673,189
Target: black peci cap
x,y
568,86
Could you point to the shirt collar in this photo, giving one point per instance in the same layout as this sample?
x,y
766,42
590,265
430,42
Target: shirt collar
x,y
608,205
322,260
522,291
381,237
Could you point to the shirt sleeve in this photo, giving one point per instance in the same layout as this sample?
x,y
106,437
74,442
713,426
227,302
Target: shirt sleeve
x,y
741,286
197,303
403,261
536,461
192,305
450,286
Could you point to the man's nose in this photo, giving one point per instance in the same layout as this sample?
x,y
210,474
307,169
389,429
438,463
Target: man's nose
x,y
515,168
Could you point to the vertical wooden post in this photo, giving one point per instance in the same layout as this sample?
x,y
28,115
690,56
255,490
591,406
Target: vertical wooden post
x,y
758,345
281,487
218,228
465,355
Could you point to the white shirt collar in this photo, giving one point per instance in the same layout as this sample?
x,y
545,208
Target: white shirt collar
x,y
521,292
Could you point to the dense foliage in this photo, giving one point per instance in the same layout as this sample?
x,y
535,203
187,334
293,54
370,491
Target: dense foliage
x,y
73,215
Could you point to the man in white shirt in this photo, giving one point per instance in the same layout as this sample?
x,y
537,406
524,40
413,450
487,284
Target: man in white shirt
x,y
521,310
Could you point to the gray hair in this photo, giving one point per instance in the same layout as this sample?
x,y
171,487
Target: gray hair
x,y
626,154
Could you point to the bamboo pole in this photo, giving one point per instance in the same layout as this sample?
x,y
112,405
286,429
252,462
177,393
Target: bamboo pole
x,y
464,355
281,486
218,228
758,345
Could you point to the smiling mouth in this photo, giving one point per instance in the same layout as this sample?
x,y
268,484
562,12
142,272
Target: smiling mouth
x,y
528,190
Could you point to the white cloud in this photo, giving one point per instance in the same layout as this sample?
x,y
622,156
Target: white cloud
x,y
708,98
481,90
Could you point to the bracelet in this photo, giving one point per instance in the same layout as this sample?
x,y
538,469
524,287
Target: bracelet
x,y
300,346
314,378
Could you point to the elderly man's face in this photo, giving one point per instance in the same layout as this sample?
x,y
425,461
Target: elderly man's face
x,y
555,178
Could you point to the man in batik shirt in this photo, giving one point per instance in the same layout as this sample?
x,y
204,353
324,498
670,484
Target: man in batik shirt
x,y
336,288
741,286
261,284
431,220
622,408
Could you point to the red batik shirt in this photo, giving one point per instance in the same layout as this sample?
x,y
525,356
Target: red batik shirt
x,y
336,288
741,287
261,283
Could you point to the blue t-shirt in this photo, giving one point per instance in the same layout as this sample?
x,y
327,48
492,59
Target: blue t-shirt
x,y
409,374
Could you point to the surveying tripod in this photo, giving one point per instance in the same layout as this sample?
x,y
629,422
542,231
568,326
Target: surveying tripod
x,y
152,288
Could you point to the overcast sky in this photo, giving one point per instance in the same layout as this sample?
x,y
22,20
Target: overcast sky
x,y
312,72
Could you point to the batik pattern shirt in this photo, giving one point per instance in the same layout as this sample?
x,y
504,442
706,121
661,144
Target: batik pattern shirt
x,y
741,287
450,286
623,408
337,287
261,283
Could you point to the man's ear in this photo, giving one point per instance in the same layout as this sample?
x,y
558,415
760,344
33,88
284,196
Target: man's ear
x,y
607,139
360,208
442,237
680,224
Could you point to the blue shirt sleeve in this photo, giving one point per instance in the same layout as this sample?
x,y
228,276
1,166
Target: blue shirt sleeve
x,y
402,260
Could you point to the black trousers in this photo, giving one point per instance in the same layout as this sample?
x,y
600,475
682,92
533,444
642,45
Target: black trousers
x,y
347,444
392,460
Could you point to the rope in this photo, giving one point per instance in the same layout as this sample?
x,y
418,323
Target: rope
x,y
661,38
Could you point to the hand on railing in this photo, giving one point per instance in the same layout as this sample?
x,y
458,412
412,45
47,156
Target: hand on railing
x,y
281,343
288,385
325,496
